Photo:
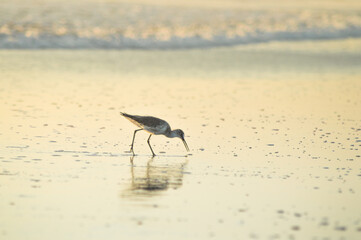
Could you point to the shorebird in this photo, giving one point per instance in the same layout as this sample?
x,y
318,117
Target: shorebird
x,y
154,126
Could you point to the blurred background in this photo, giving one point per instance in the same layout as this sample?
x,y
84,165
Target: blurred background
x,y
145,24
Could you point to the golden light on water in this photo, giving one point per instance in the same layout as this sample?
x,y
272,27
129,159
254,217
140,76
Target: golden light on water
x,y
273,127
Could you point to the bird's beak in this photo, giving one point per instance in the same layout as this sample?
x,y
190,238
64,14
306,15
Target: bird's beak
x,y
185,144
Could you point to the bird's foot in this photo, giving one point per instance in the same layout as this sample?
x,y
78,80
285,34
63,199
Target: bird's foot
x,y
131,150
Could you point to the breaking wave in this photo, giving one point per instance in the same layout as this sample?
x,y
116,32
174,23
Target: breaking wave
x,y
136,26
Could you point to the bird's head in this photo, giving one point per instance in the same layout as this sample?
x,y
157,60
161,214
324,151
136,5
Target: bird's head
x,y
180,134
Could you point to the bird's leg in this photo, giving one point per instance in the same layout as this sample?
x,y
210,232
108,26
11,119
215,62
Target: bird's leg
x,y
131,146
149,144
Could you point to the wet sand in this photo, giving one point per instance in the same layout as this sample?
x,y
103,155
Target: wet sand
x,y
274,132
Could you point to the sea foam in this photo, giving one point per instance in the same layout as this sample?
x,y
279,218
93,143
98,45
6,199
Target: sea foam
x,y
87,25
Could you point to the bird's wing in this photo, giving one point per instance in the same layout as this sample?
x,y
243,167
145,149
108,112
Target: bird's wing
x,y
158,129
151,124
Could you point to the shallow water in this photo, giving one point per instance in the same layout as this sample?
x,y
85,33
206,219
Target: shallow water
x,y
274,132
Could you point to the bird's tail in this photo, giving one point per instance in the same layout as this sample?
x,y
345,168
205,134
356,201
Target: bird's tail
x,y
124,114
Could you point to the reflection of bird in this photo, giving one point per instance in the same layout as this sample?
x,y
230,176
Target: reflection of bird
x,y
155,126
153,178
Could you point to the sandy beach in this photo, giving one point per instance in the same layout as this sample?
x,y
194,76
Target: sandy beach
x,y
273,128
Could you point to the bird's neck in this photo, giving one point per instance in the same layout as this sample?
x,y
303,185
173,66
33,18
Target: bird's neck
x,y
172,134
